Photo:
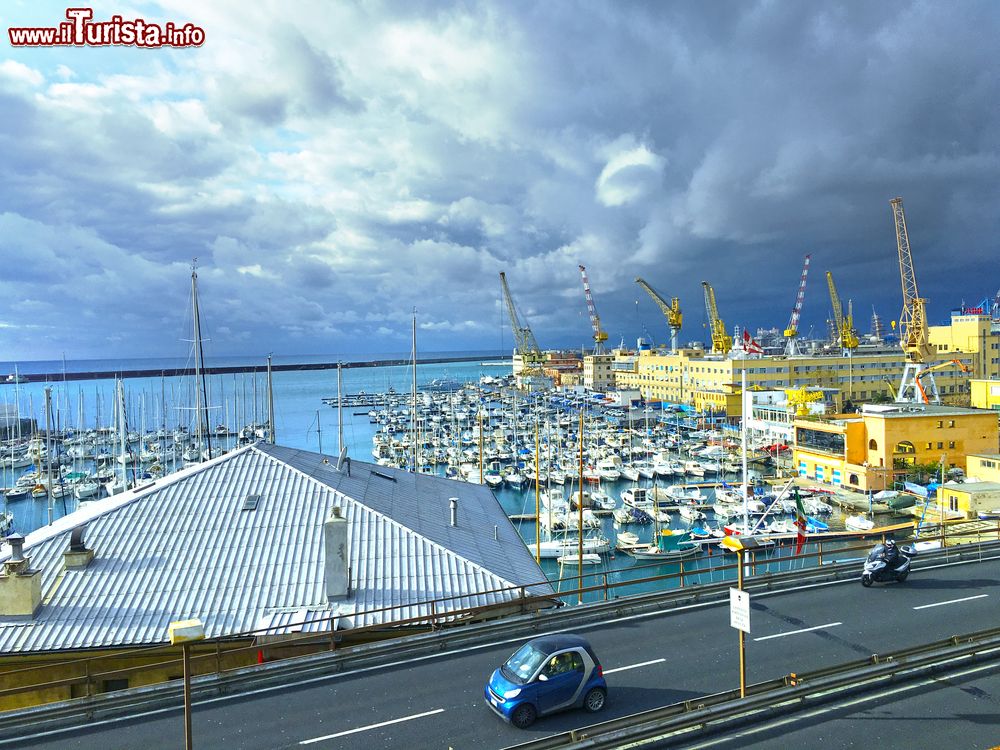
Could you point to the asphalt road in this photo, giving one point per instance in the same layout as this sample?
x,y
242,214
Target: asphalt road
x,y
649,660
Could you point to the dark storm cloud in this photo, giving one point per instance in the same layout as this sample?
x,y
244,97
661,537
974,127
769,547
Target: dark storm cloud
x,y
337,168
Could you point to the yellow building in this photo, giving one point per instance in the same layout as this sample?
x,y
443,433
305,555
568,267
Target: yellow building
x,y
969,334
876,447
967,499
984,467
985,394
690,376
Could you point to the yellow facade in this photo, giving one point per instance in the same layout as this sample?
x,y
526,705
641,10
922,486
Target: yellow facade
x,y
874,448
985,393
983,466
968,499
597,372
969,334
687,376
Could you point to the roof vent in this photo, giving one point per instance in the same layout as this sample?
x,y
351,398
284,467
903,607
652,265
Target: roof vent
x,y
453,502
251,502
77,556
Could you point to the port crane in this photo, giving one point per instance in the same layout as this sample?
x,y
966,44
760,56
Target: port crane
x,y
800,398
792,330
722,342
524,339
913,333
671,310
847,336
600,336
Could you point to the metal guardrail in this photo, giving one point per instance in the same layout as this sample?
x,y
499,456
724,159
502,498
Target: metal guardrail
x,y
168,695
795,692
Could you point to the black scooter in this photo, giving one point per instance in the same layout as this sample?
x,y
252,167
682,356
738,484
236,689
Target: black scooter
x,y
882,565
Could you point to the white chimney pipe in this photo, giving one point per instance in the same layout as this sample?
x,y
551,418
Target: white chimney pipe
x,y
454,510
336,568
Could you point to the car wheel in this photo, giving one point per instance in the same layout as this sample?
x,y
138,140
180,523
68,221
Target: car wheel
x,y
866,580
595,699
523,716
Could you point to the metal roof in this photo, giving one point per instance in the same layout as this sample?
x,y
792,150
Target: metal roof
x,y
186,547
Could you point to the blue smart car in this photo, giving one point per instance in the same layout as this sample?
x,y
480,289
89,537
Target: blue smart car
x,y
547,674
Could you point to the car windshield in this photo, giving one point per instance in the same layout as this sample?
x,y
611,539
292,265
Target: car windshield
x,y
524,663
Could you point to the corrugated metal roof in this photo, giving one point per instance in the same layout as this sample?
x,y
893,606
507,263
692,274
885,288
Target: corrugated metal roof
x,y
186,547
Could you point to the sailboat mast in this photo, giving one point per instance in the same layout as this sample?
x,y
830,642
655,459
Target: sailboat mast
x,y
48,444
413,422
270,403
199,363
340,409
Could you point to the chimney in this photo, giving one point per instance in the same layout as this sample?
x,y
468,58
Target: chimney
x,y
77,556
453,502
20,587
336,570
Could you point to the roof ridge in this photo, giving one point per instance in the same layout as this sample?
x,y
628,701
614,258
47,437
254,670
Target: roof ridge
x,y
389,519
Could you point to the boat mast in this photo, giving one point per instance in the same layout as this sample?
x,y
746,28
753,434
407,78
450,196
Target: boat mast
x,y
743,449
270,403
340,410
579,560
199,362
48,444
413,415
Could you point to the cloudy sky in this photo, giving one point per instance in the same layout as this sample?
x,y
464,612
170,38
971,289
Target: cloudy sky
x,y
333,165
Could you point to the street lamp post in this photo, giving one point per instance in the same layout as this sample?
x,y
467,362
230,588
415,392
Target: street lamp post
x,y
183,632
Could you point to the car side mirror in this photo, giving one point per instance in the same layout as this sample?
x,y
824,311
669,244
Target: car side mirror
x,y
543,677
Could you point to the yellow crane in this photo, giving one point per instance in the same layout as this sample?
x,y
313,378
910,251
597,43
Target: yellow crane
x,y
600,336
672,311
722,342
524,339
800,397
913,334
847,336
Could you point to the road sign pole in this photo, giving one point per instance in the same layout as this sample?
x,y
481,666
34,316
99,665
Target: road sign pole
x,y
743,653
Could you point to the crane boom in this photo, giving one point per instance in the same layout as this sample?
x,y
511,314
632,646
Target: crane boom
x,y
595,320
524,339
672,310
722,342
847,337
913,318
792,331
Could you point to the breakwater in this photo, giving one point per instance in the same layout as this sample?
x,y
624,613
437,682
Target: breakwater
x,y
229,369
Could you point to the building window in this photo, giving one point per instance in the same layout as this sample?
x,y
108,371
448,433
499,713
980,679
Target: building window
x,y
951,443
928,447
108,686
940,424
905,447
940,445
951,422
872,445
853,479
953,503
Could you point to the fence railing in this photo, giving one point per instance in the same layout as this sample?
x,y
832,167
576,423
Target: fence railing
x,y
238,650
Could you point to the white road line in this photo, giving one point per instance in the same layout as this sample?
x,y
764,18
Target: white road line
x,y
796,632
952,601
634,666
371,726
339,676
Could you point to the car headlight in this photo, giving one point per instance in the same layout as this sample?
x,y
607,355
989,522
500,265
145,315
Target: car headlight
x,y
512,694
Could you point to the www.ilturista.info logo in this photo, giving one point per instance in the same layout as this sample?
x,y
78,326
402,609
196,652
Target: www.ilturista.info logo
x,y
81,31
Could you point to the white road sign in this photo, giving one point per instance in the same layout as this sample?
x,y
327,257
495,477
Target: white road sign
x,y
739,609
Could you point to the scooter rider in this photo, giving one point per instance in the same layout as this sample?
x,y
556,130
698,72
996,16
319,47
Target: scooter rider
x,y
891,552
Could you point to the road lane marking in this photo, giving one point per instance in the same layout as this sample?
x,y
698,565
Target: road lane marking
x,y
634,666
340,676
796,632
952,601
371,726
